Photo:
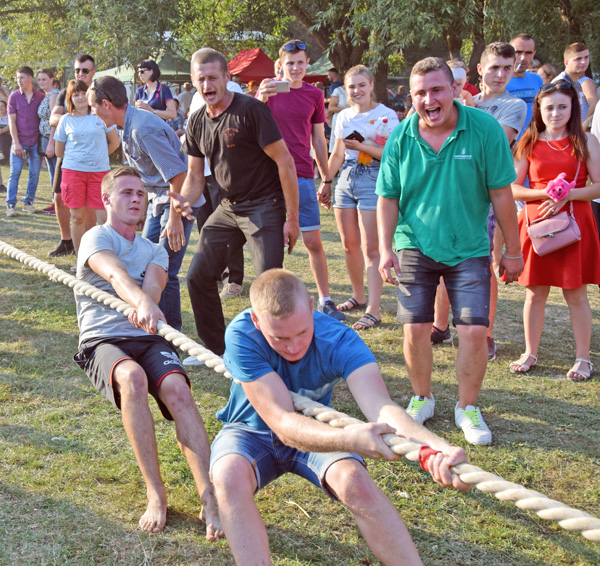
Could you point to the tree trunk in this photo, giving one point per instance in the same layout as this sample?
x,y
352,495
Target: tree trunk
x,y
453,41
478,42
381,74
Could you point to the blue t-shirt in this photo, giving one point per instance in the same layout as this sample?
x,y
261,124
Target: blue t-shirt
x,y
86,148
525,88
335,352
159,98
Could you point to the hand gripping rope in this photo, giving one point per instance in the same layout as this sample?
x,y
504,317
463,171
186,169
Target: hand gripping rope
x,y
546,508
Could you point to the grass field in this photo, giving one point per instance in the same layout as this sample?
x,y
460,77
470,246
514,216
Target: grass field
x,y
71,493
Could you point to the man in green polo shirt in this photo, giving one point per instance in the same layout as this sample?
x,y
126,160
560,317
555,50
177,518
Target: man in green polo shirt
x,y
440,170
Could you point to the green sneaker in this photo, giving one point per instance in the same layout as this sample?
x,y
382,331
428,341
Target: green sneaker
x,y
421,408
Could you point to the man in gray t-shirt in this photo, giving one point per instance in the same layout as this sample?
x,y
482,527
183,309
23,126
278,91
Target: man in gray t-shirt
x,y
123,356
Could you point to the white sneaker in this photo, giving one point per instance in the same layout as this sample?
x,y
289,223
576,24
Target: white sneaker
x,y
192,361
472,424
421,408
231,290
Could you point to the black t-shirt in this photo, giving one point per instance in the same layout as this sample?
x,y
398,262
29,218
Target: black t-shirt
x,y
61,99
232,142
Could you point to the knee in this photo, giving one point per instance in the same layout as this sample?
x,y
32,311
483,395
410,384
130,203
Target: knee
x,y
77,218
352,484
417,332
371,253
472,334
131,380
175,393
233,478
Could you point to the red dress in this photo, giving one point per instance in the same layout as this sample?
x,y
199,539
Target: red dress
x,y
579,263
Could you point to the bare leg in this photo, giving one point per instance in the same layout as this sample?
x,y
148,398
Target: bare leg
x,y
471,361
375,515
442,306
318,260
78,225
130,381
581,321
63,217
498,247
100,216
370,245
235,484
419,357
90,218
175,393
347,223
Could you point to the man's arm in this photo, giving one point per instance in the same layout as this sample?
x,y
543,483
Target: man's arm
x,y
192,188
272,400
279,153
14,134
57,112
319,145
144,300
112,140
174,228
388,210
506,215
591,95
370,392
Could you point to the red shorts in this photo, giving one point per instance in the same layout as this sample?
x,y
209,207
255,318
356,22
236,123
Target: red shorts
x,y
82,188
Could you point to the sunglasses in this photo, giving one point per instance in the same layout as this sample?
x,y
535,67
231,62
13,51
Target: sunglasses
x,y
142,71
84,71
102,93
558,85
295,45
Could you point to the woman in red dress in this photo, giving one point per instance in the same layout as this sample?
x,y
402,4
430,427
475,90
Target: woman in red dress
x,y
555,143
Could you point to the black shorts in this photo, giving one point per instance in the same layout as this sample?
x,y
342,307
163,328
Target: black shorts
x,y
98,357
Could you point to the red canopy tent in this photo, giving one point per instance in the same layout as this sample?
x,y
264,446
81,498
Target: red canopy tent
x,y
252,65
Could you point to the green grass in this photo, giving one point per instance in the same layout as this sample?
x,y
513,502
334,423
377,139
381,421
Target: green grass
x,y
71,493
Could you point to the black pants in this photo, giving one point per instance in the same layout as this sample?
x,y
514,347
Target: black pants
x,y
260,223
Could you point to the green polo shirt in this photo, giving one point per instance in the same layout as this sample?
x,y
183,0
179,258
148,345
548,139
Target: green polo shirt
x,y
443,197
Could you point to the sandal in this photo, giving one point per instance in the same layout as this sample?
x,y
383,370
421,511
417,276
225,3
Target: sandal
x,y
354,304
366,321
577,374
526,367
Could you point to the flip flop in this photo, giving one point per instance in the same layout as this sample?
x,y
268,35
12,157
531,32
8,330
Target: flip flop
x,y
365,322
526,367
577,371
354,305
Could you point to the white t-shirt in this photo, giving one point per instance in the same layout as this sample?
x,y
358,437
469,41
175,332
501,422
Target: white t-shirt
x,y
349,120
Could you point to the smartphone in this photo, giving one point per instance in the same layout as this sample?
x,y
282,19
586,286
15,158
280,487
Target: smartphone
x,y
282,86
355,136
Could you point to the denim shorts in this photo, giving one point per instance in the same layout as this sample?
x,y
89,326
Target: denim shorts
x,y
355,187
270,458
468,285
308,209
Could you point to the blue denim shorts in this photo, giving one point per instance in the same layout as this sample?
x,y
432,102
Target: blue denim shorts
x,y
468,285
270,458
355,187
308,209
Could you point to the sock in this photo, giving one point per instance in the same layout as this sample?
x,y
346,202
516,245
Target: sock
x,y
323,300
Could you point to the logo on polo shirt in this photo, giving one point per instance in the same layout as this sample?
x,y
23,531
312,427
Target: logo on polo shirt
x,y
463,155
172,358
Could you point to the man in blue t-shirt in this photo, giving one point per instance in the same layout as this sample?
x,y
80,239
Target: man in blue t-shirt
x,y
280,345
524,85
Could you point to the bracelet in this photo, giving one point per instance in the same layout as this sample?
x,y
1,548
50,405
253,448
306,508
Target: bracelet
x,y
508,257
326,182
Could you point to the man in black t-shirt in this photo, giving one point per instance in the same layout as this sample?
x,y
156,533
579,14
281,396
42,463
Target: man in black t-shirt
x,y
238,136
84,70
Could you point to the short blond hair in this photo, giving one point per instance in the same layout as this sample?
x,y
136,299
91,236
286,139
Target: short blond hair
x,y
109,181
277,292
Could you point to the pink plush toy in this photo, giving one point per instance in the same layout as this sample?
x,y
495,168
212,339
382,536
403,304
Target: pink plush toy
x,y
558,188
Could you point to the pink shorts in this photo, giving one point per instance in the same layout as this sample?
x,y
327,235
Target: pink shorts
x,y
82,188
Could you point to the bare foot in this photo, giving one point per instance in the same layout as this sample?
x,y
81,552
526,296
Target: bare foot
x,y
214,530
155,517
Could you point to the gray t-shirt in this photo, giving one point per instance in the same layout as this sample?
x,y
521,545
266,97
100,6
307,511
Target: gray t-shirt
x,y
507,109
96,319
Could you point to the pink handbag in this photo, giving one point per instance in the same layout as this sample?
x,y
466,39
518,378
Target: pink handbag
x,y
550,234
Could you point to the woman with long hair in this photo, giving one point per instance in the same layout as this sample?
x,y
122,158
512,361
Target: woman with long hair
x,y
84,143
553,144
153,95
360,135
45,79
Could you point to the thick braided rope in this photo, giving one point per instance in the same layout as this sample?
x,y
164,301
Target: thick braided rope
x,y
546,508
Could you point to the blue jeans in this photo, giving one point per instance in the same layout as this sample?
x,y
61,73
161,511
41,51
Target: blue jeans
x,y
170,300
16,166
51,162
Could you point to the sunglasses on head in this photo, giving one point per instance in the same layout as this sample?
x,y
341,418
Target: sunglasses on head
x,y
84,71
102,93
558,85
295,45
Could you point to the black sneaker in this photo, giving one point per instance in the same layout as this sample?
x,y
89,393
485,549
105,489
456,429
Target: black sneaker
x,y
330,310
440,336
64,248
